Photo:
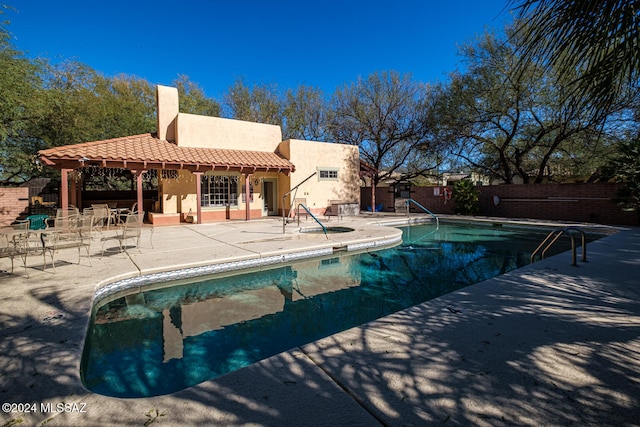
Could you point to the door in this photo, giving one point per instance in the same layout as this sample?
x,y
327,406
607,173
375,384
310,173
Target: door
x,y
270,197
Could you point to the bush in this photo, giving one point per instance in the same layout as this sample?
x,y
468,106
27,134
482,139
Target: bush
x,y
465,196
625,168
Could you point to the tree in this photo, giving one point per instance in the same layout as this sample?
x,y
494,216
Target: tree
x,y
386,115
510,122
597,38
465,197
193,99
125,106
85,106
257,104
625,168
22,102
306,115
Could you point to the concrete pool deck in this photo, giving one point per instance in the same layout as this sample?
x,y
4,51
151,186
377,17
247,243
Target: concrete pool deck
x,y
548,344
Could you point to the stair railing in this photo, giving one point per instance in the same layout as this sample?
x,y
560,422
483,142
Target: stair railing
x,y
324,228
424,209
553,237
284,196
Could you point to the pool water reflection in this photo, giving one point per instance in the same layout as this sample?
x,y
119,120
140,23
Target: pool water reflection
x,y
163,340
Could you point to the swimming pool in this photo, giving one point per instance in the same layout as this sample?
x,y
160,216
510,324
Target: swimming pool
x,y
174,336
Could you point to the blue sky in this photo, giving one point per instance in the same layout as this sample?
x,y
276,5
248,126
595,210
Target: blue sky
x,y
323,44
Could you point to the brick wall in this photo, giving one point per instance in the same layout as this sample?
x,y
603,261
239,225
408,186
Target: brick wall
x,y
568,202
14,204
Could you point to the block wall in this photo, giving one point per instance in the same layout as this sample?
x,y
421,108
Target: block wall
x,y
569,202
14,204
566,202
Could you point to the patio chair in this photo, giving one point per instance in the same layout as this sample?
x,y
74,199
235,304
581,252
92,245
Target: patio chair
x,y
297,210
68,233
131,210
7,248
14,241
101,215
121,213
129,230
71,211
333,210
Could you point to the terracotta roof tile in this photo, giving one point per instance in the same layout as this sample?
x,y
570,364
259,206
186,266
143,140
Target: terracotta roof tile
x,y
148,149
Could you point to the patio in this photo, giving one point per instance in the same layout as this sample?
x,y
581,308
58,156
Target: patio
x,y
549,344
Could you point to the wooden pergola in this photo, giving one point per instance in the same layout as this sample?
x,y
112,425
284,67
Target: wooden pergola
x,y
141,153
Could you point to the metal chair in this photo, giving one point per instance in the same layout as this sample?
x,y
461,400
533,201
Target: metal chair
x,y
130,229
10,247
102,215
14,242
68,233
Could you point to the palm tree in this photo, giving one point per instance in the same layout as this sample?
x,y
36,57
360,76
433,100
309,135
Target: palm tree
x,y
598,38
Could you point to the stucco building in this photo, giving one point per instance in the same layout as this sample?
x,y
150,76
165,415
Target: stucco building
x,y
213,169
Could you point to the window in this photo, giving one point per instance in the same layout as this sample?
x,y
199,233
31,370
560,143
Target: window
x,y
327,174
219,190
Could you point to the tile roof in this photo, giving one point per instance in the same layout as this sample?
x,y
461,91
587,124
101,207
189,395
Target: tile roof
x,y
147,151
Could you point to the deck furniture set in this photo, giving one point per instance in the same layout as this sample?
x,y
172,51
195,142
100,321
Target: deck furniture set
x,y
39,235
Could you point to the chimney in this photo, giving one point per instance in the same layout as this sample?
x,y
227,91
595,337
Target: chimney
x,y
167,104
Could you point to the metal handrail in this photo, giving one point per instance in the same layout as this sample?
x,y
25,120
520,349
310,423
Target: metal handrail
x,y
324,228
553,237
284,196
424,209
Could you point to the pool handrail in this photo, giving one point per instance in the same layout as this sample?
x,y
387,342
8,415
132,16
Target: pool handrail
x,y
553,236
284,196
324,228
424,209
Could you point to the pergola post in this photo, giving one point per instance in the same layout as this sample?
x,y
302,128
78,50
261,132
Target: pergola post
x,y
373,194
139,194
64,189
73,191
247,197
198,176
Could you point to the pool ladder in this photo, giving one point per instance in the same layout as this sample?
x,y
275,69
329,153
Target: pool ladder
x,y
553,237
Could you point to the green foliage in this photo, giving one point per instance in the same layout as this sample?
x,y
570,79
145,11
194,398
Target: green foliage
x,y
625,168
85,106
193,99
599,38
386,116
259,104
513,123
306,115
22,101
465,196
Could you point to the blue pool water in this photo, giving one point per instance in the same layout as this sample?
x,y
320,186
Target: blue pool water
x,y
167,339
